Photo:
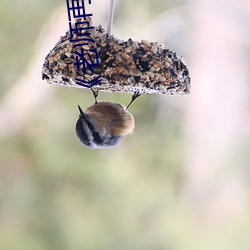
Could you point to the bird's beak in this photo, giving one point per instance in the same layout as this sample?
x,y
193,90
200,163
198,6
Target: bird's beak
x,y
82,115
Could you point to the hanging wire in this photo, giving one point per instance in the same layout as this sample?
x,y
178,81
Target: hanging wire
x,y
110,16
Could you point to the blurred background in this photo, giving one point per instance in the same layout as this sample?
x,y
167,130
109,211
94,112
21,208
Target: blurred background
x,y
180,182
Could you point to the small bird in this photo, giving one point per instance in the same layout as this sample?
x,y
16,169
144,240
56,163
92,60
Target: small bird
x,y
104,124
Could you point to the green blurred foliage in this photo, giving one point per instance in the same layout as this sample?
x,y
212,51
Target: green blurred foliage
x,y
20,24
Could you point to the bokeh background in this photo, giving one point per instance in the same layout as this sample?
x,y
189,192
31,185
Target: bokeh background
x,y
180,182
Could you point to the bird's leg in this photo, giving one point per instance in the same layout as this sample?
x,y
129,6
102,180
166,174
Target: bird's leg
x,y
134,97
95,94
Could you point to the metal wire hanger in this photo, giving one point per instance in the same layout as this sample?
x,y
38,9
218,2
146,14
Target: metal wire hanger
x,y
110,16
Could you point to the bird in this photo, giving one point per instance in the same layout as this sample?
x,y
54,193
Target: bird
x,y
104,124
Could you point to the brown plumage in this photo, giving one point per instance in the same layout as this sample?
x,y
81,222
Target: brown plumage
x,y
104,124
112,118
